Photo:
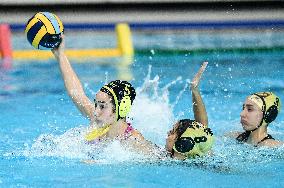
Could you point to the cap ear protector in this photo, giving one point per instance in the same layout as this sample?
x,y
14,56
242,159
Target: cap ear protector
x,y
185,144
269,103
125,103
270,114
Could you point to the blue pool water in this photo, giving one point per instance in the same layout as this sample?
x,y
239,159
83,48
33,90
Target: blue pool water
x,y
41,130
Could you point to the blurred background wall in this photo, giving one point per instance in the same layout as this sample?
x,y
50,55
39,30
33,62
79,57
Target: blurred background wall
x,y
104,11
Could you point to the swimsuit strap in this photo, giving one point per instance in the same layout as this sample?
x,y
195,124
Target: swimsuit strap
x,y
265,138
128,130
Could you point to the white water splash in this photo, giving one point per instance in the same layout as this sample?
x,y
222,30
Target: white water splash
x,y
151,112
71,144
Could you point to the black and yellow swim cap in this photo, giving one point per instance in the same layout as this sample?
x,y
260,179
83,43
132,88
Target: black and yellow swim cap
x,y
123,95
269,104
196,139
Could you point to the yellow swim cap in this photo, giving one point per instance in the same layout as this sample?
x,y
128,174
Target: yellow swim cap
x,y
197,140
123,95
269,104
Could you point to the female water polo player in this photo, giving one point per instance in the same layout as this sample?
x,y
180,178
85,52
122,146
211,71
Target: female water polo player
x,y
191,138
107,114
259,109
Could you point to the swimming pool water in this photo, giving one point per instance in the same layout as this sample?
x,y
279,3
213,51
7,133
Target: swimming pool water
x,y
40,133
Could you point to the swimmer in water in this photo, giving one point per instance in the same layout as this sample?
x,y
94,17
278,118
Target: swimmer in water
x,y
259,110
107,113
191,138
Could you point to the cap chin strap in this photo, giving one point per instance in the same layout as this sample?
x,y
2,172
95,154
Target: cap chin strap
x,y
115,101
257,126
263,112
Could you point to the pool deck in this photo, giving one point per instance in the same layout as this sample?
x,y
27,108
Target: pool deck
x,y
148,12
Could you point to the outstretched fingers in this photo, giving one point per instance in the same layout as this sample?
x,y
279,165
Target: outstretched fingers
x,y
60,48
195,81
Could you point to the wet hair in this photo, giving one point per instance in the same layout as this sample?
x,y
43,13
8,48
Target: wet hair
x,y
182,126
